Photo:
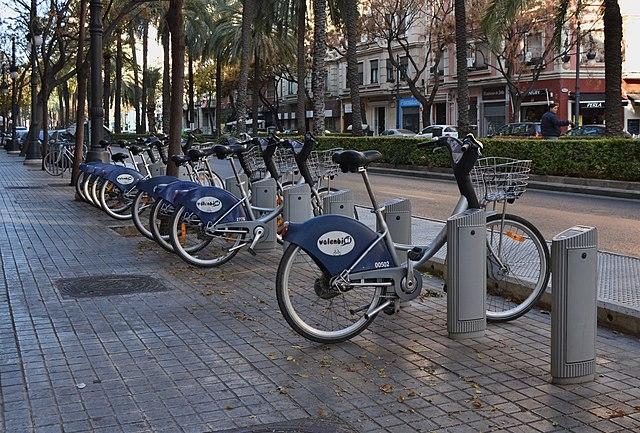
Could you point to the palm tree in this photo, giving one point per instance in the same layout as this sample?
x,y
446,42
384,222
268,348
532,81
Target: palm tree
x,y
301,31
249,12
136,78
614,116
81,77
461,66
151,85
175,19
319,71
117,126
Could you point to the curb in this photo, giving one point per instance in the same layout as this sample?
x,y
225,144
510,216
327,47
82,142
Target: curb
x,y
576,188
610,315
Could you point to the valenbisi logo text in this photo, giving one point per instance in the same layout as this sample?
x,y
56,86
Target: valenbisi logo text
x,y
209,204
336,243
125,179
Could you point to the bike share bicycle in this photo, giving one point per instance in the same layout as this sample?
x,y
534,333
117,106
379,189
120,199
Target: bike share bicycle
x,y
337,274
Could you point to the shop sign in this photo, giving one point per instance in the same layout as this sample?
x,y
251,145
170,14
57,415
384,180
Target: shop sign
x,y
493,93
594,104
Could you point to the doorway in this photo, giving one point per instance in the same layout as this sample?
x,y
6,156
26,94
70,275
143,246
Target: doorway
x,y
380,120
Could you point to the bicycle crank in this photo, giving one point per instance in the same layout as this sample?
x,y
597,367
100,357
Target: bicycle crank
x,y
409,288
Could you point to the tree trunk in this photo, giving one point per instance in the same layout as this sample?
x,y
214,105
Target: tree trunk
x,y
136,80
351,24
106,87
151,110
218,94
256,91
248,14
117,124
145,77
82,68
614,115
66,101
166,79
301,103
190,109
175,18
44,96
60,122
461,67
319,71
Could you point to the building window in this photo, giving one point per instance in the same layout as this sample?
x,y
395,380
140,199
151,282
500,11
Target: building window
x,y
374,71
291,88
390,72
404,67
360,73
633,126
477,56
534,48
444,63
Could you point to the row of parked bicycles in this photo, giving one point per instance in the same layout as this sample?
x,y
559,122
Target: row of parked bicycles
x,y
336,274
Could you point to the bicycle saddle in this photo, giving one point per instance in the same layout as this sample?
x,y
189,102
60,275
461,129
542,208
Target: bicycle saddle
x,y
351,160
119,157
137,150
180,160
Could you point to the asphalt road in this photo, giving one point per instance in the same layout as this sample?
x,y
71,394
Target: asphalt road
x,y
617,220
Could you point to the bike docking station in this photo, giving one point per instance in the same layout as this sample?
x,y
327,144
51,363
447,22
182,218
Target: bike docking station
x,y
263,196
338,203
574,275
397,215
296,202
466,274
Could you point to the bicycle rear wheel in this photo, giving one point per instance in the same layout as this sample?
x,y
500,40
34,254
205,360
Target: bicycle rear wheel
x,y
518,267
54,162
140,210
315,309
114,201
160,216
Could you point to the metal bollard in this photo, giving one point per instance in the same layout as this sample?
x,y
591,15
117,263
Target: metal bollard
x,y
466,274
574,274
157,169
397,215
231,185
263,194
338,203
297,205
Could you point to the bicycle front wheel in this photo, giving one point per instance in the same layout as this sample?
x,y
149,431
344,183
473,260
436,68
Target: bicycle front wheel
x,y
315,309
518,267
54,163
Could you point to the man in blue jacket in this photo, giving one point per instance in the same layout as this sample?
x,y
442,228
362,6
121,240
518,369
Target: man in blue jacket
x,y
550,123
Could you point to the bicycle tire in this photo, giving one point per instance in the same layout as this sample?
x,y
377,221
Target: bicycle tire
x,y
315,289
117,213
155,225
79,185
52,161
195,254
512,293
136,211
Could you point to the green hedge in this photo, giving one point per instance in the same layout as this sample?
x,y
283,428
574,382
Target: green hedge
x,y
614,159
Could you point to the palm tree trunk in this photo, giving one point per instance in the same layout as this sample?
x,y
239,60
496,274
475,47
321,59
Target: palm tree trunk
x,y
145,78
190,110
175,19
248,14
301,66
60,123
614,116
82,73
136,80
351,23
256,91
117,124
106,87
166,79
151,110
218,94
319,72
461,67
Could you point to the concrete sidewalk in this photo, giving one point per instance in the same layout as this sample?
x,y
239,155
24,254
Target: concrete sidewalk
x,y
180,349
618,277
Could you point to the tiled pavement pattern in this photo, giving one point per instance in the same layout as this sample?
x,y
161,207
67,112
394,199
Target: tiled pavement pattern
x,y
214,352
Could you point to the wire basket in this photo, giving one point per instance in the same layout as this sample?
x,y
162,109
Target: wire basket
x,y
321,165
284,159
253,163
497,179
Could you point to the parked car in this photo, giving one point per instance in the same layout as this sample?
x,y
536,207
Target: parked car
x,y
591,131
435,131
398,133
520,129
365,129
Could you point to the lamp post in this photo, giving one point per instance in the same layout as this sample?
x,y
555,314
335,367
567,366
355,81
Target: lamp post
x,y
398,91
34,153
13,146
96,153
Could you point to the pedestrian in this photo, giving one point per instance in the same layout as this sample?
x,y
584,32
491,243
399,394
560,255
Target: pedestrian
x,y
550,123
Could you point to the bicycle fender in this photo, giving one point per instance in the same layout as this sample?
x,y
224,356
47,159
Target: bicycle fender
x,y
90,167
335,242
123,177
167,192
210,203
148,185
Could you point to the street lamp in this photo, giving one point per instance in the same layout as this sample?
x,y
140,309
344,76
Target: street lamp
x,y
96,153
34,153
13,145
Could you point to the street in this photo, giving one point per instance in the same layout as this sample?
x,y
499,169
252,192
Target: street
x,y
617,220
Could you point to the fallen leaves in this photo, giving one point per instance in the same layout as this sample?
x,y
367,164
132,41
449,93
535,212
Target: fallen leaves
x,y
387,388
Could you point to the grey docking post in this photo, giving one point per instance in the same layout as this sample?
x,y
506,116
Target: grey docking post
x,y
397,215
297,205
338,203
231,185
574,274
466,274
263,194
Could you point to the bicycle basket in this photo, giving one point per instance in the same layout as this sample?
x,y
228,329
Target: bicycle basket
x,y
253,163
321,165
285,161
497,179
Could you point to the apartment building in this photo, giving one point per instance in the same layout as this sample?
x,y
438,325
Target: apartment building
x,y
388,103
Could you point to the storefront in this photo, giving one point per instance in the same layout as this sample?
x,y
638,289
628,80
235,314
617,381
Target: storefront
x,y
534,104
494,112
410,114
